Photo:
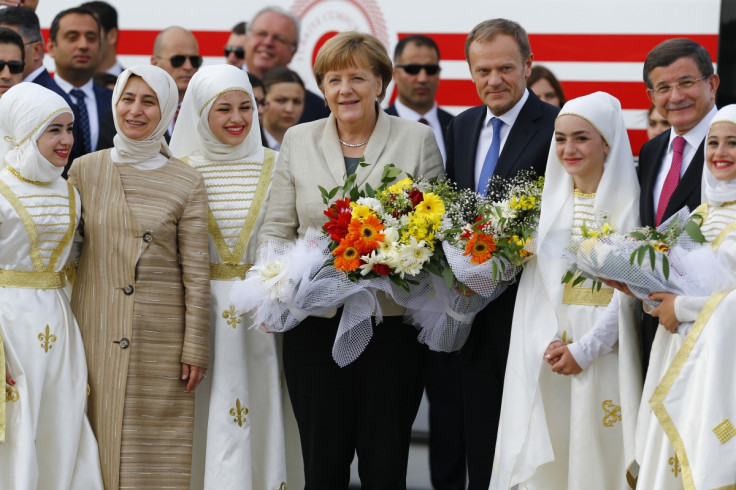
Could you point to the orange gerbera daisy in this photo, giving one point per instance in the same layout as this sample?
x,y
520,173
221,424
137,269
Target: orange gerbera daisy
x,y
481,247
347,257
367,235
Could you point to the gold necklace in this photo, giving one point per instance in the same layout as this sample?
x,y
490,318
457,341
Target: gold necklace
x,y
580,194
18,176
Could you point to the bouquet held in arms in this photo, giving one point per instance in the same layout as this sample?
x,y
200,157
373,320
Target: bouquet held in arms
x,y
489,240
670,258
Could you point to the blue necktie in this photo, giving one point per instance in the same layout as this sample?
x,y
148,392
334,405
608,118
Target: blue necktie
x,y
489,164
83,120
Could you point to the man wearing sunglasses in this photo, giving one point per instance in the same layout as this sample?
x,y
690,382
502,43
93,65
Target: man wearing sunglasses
x,y
417,75
74,43
11,59
235,47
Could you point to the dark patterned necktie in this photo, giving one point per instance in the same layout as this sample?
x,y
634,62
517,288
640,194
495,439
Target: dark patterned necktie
x,y
83,122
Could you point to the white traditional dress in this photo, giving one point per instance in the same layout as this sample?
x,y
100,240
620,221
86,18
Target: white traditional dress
x,y
573,432
239,421
686,434
48,441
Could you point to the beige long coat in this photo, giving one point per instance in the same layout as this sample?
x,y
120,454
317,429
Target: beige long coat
x,y
142,302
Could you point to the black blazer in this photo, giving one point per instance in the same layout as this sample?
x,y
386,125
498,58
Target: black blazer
x,y
444,117
527,144
314,108
687,192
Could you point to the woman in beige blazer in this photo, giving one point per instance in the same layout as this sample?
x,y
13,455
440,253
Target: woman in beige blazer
x,y
369,405
142,294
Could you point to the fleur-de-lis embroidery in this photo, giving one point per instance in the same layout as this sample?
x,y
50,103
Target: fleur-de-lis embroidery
x,y
47,339
612,413
239,412
232,318
564,337
11,394
675,463
282,486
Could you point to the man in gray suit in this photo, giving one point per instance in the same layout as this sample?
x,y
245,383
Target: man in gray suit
x,y
511,131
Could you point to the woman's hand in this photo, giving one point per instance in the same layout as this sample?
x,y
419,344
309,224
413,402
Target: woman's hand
x,y
263,328
463,290
617,285
193,375
561,360
8,378
666,310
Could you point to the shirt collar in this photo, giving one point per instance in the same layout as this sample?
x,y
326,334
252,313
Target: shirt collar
x,y
34,74
698,133
509,118
68,87
406,112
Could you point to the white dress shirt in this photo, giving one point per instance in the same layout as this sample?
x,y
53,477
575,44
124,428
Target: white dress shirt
x,y
432,117
486,133
90,101
693,139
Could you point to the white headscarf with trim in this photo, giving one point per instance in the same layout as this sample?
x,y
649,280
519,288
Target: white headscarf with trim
x,y
716,192
132,151
26,110
193,137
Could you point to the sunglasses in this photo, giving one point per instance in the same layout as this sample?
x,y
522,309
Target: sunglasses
x,y
178,59
15,67
414,69
238,51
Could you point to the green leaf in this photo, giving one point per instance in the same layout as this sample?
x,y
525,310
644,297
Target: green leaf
x,y
638,235
666,267
322,190
633,256
578,280
369,190
567,277
333,192
642,252
652,257
693,229
495,270
449,277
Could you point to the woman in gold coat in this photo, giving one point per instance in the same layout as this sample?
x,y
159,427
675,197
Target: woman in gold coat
x,y
142,291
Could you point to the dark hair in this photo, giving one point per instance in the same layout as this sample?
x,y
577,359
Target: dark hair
x,y
540,72
239,29
671,50
489,29
353,49
9,36
105,12
418,40
255,81
104,79
280,74
25,20
54,30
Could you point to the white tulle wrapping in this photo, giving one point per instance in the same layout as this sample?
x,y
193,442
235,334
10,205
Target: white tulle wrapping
x,y
694,269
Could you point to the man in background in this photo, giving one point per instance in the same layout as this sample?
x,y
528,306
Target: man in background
x,y
11,59
272,40
108,17
235,47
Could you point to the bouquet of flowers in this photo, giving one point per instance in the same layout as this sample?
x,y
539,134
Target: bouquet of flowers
x,y
647,259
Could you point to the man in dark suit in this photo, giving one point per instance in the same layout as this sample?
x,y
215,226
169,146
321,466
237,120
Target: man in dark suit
x,y
74,43
680,81
25,22
417,76
500,61
272,40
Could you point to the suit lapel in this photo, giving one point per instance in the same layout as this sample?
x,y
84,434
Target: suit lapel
x,y
332,151
649,171
522,131
467,146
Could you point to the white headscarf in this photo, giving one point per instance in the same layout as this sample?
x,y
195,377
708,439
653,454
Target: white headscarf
x,y
26,110
193,137
138,151
617,195
716,192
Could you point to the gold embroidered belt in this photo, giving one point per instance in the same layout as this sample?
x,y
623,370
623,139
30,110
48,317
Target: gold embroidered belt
x,y
228,272
32,280
583,294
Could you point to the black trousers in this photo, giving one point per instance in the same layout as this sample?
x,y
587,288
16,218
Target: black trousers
x,y
366,407
484,366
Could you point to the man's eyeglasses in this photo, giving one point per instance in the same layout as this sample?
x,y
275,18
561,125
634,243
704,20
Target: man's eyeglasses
x,y
414,69
682,85
15,67
276,37
178,60
238,51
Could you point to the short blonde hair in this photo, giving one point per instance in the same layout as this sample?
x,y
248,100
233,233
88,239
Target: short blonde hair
x,y
351,50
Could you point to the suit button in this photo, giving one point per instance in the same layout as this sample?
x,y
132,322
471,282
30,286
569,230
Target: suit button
x,y
128,290
124,343
148,237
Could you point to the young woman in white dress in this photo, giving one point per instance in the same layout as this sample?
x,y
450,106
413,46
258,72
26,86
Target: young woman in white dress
x,y
240,406
48,442
685,434
571,387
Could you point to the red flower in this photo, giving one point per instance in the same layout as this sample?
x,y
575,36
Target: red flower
x,y
416,197
381,269
337,228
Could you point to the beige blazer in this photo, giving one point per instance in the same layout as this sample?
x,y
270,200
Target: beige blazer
x,y
311,156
